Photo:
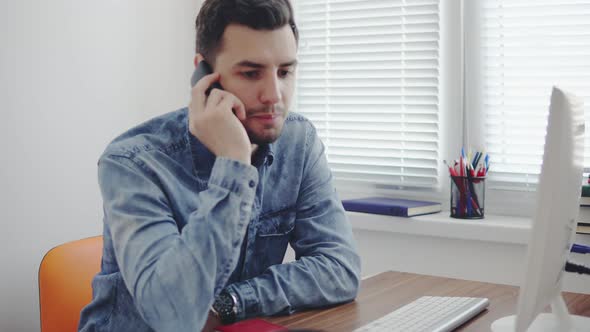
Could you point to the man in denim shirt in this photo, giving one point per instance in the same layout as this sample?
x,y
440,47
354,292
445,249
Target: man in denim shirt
x,y
200,204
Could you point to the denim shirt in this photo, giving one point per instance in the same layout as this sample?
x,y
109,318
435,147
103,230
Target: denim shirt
x,y
180,225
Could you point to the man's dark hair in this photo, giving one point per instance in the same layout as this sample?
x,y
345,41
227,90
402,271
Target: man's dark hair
x,y
216,15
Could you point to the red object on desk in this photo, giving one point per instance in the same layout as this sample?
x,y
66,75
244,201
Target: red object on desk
x,y
252,325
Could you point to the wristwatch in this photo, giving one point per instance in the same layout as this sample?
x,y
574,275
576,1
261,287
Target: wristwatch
x,y
225,307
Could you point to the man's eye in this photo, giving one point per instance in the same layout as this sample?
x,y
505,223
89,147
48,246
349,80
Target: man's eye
x,y
250,74
284,73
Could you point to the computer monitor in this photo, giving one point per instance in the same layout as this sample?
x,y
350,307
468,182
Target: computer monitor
x,y
554,224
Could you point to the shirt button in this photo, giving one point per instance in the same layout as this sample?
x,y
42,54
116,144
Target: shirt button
x,y
251,183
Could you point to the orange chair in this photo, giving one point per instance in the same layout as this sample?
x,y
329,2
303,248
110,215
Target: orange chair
x,y
65,277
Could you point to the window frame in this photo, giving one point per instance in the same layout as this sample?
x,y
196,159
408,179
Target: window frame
x,y
460,116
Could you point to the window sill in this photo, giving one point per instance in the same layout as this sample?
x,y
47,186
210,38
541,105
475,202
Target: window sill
x,y
493,228
489,250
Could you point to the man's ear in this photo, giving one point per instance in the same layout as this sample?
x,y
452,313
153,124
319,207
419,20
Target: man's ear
x,y
198,58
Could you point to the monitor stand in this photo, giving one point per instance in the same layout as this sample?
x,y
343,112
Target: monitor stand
x,y
558,321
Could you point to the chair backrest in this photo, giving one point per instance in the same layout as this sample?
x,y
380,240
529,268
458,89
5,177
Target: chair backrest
x,y
65,277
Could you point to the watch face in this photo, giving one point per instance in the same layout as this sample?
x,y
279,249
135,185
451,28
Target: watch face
x,y
224,305
225,302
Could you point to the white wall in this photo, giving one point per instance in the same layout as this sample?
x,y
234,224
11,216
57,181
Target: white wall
x,y
73,74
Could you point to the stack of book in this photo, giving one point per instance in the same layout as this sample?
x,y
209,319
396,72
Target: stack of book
x,y
584,214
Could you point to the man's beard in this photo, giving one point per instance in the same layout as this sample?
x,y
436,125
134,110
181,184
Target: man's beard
x,y
263,139
267,136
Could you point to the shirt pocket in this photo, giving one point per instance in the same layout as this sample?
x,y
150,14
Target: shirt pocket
x,y
272,237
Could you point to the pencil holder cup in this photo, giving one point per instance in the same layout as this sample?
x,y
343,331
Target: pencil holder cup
x,y
467,197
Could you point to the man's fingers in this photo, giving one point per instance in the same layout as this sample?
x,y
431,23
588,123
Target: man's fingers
x,y
215,97
232,102
239,108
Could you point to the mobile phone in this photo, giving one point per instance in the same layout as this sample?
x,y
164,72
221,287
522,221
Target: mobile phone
x,y
202,70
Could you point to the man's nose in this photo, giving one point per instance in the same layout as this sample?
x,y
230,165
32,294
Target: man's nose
x,y
271,91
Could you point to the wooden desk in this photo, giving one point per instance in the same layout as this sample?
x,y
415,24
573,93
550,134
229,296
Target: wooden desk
x,y
387,291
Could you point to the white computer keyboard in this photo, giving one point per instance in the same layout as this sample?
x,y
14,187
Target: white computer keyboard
x,y
429,314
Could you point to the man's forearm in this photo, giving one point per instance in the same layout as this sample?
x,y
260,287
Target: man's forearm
x,y
311,281
174,276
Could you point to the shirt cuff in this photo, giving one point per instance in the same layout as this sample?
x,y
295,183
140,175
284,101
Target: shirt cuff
x,y
247,304
235,176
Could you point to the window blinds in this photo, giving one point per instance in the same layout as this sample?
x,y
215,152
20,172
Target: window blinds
x,y
527,47
368,80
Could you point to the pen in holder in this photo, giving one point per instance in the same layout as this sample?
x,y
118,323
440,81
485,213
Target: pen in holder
x,y
467,197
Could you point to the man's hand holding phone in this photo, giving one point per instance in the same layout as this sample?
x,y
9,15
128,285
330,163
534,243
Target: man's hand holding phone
x,y
213,122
